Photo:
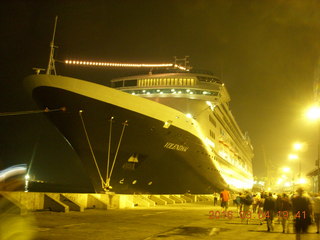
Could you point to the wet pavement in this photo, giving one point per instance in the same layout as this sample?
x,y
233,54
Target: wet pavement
x,y
181,221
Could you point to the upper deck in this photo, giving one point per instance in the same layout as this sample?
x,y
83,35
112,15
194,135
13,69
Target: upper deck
x,y
191,85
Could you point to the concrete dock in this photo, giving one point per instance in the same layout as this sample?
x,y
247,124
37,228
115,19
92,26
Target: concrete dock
x,y
172,221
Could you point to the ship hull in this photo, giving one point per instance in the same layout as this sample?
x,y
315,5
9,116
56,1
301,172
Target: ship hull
x,y
147,157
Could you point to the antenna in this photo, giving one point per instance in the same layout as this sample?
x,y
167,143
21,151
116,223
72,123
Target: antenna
x,y
51,65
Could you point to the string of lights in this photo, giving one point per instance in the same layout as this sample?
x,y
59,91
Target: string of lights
x,y
128,65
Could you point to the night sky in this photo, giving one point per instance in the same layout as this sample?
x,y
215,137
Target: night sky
x,y
266,52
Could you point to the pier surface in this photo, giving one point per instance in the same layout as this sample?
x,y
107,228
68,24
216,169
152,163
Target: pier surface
x,y
175,221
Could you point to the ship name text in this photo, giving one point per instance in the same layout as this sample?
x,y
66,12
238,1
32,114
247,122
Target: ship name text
x,y
176,147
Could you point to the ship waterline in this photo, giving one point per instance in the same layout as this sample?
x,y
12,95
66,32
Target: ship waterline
x,y
136,144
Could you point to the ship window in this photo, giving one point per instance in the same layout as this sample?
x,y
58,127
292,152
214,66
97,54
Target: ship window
x,y
184,82
129,83
117,84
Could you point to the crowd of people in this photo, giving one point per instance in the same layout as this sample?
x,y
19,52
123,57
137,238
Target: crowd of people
x,y
301,207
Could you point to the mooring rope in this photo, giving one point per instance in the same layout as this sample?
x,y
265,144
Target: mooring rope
x,y
91,150
115,157
46,110
109,147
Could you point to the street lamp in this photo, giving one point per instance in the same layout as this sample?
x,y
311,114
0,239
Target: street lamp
x,y
286,169
297,146
313,114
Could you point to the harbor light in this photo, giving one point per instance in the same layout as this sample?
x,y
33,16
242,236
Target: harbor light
x,y
286,169
302,181
293,156
313,113
297,146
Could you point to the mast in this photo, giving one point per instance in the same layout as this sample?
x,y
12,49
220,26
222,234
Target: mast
x,y
51,66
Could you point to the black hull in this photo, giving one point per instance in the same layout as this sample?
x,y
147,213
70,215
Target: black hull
x,y
162,168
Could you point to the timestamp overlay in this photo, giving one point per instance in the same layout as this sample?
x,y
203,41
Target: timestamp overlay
x,y
216,214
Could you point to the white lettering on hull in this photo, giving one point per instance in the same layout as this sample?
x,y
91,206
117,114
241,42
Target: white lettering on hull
x,y
176,147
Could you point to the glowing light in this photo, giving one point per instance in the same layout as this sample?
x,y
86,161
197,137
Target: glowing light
x,y
287,184
210,105
127,65
297,146
13,171
313,113
293,156
286,169
189,115
280,180
302,181
209,142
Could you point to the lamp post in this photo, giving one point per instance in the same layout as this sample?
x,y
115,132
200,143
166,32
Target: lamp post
x,y
314,114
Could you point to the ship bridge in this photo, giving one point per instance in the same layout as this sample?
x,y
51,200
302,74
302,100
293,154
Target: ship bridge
x,y
174,85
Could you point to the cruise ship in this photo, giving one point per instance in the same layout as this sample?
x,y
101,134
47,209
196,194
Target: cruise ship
x,y
161,132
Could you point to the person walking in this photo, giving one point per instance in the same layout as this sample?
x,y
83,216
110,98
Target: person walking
x,y
225,197
247,202
269,208
301,212
284,210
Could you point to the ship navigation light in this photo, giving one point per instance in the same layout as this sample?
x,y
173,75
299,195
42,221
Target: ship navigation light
x,y
189,115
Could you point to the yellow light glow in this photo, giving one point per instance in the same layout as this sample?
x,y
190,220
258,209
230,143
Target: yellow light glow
x,y
133,65
302,181
297,146
313,113
293,157
207,140
280,180
287,184
286,169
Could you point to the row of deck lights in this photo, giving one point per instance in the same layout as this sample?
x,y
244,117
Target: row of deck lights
x,y
173,91
110,64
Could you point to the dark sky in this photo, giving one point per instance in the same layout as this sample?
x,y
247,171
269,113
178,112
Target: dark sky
x,y
266,52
